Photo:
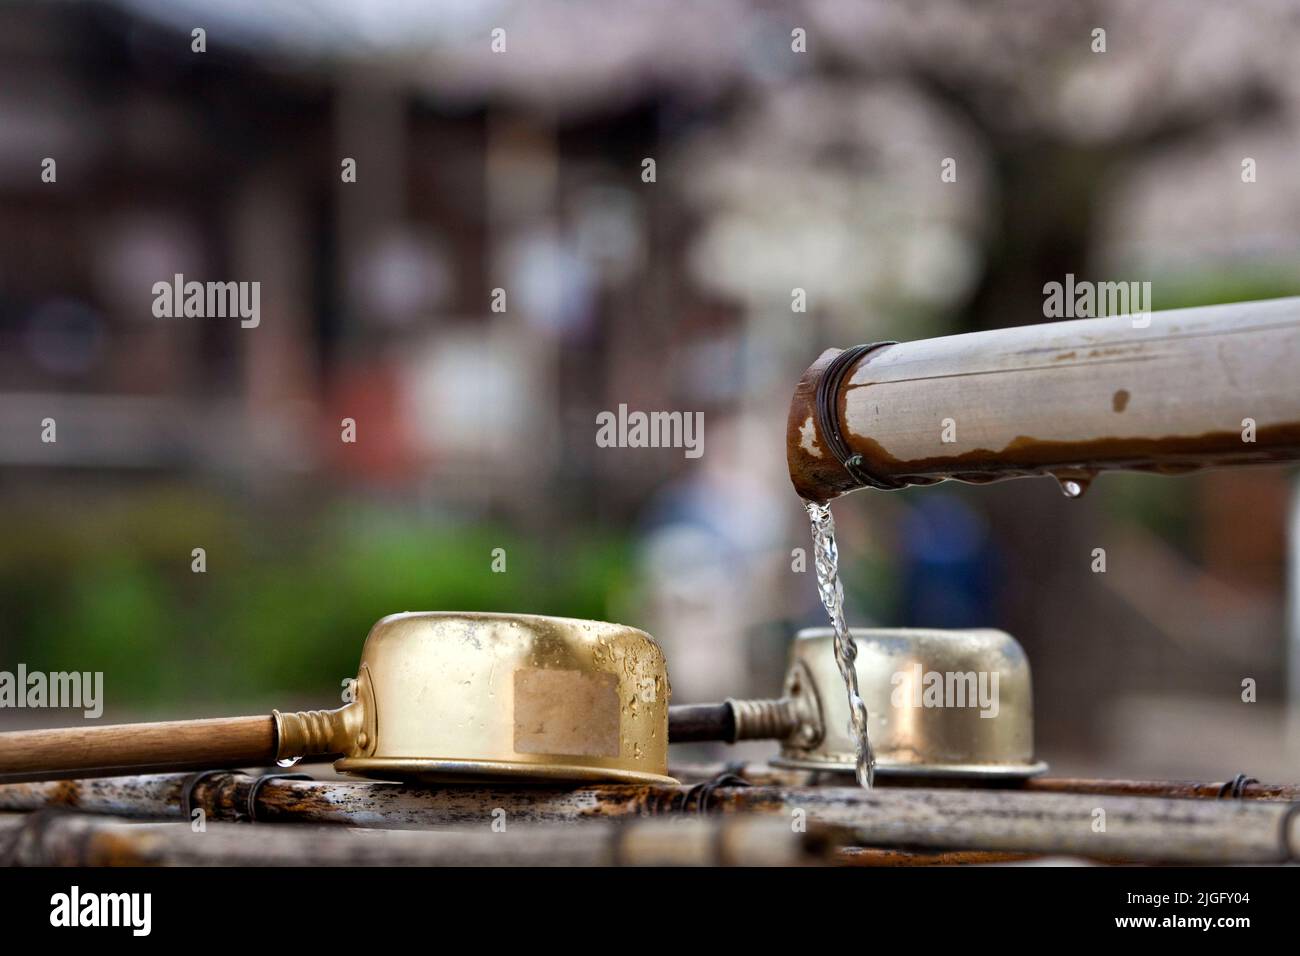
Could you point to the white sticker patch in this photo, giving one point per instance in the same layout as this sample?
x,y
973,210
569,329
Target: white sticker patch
x,y
573,713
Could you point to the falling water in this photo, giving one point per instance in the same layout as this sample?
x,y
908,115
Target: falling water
x,y
826,561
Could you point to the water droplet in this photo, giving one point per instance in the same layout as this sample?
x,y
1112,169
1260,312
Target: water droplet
x,y
1074,485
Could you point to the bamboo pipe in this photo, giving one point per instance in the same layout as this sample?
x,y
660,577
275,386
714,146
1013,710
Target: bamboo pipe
x,y
224,795
78,839
866,856
1167,392
1145,829
1241,789
1092,826
1185,790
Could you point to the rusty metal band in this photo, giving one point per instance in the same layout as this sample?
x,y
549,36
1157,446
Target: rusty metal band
x,y
250,805
702,793
826,405
192,781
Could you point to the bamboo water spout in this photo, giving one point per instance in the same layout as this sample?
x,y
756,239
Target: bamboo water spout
x,y
1166,392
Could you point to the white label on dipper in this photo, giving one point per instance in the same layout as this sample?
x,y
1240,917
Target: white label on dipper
x,y
571,713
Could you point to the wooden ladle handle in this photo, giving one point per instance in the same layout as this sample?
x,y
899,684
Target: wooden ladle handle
x,y
133,748
172,745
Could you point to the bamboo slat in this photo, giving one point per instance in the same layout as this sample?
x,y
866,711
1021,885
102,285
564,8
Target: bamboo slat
x,y
764,774
1098,826
79,839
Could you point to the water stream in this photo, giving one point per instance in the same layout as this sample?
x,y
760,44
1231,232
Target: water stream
x,y
826,561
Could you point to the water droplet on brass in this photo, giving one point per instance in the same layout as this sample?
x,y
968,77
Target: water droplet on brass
x,y
1074,485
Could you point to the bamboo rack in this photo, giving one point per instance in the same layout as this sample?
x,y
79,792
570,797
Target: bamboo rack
x,y
1136,828
48,838
1243,789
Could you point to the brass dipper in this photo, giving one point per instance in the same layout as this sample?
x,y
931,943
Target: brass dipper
x,y
438,696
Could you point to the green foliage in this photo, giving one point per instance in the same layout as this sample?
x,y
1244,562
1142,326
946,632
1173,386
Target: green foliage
x,y
1242,284
285,602
1156,503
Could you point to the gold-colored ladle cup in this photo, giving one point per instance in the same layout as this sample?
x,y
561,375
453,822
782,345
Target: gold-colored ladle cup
x,y
437,696
941,703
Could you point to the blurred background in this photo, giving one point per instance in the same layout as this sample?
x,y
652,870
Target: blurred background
x,y
776,170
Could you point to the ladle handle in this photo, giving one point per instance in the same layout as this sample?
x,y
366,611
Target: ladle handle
x,y
123,748
733,720
692,723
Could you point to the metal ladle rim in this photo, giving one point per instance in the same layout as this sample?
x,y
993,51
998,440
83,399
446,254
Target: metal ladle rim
x,y
459,771
989,771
